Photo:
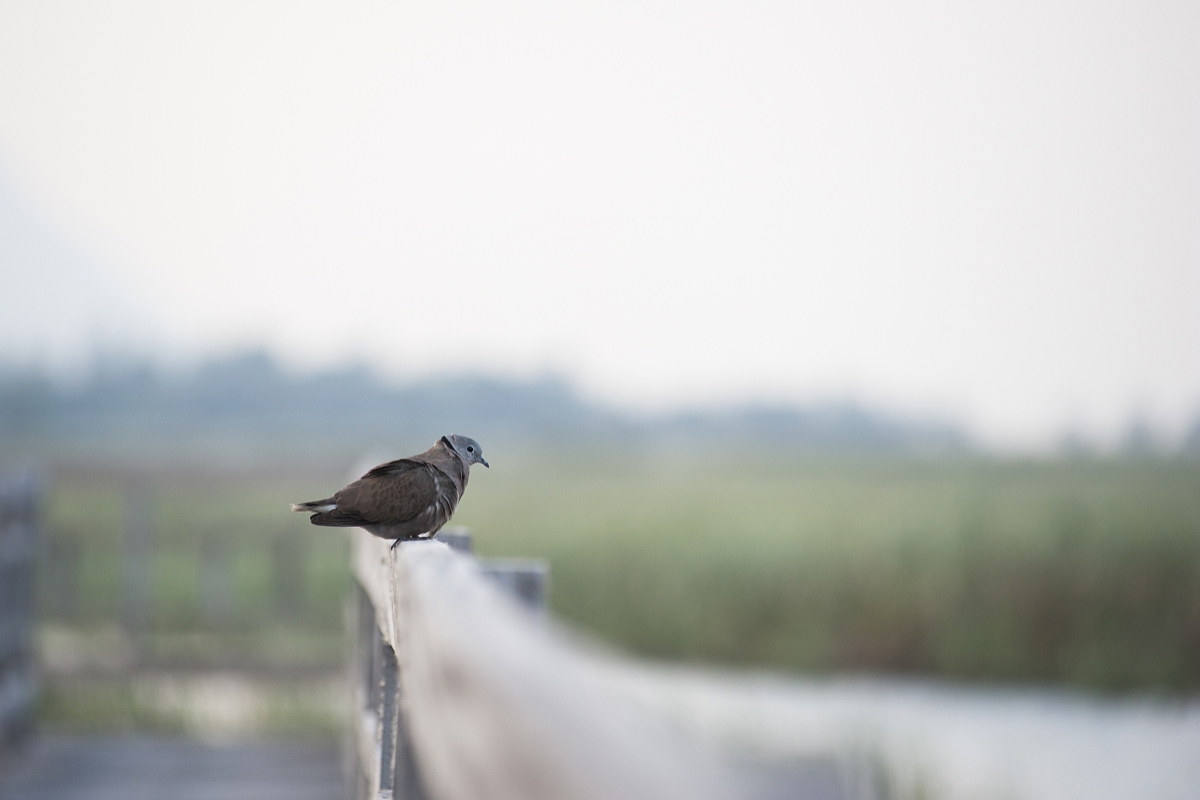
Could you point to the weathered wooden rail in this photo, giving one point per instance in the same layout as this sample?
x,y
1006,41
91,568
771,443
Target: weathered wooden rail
x,y
465,693
18,549
464,690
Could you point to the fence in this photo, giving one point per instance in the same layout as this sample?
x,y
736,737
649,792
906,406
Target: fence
x,y
188,581
465,693
18,547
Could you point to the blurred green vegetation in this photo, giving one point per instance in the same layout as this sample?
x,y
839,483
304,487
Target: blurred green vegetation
x,y
1077,572
205,706
228,576
100,706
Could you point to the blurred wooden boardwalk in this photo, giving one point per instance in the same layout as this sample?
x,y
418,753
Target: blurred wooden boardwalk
x,y
154,768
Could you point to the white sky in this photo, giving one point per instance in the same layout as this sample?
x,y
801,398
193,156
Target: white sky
x,y
987,211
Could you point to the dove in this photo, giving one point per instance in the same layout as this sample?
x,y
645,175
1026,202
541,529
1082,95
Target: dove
x,y
409,498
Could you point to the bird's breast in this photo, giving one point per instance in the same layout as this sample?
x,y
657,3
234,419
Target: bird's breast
x,y
445,497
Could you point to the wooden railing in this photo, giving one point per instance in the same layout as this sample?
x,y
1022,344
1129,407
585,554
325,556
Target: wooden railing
x,y
466,692
18,548
238,578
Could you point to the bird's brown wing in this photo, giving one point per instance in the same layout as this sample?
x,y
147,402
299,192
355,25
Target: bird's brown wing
x,y
397,467
390,494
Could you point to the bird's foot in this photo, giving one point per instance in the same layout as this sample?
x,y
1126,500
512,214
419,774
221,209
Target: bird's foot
x,y
395,544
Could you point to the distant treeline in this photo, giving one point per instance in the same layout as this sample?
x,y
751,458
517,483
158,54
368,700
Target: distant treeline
x,y
250,395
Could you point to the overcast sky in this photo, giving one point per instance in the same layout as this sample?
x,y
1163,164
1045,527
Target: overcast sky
x,y
989,211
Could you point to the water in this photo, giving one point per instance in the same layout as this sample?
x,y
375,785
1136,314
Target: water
x,y
939,741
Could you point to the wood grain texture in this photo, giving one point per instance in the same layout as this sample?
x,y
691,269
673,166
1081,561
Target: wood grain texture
x,y
500,704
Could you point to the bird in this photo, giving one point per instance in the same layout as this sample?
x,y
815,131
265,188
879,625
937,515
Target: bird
x,y
409,498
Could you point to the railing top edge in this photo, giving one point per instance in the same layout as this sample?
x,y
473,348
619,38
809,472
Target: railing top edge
x,y
478,667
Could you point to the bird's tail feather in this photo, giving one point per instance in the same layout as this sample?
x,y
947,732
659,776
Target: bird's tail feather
x,y
316,506
336,519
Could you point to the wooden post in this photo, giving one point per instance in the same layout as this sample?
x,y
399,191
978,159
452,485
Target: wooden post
x,y
137,560
19,505
383,760
457,539
526,579
389,722
61,562
216,590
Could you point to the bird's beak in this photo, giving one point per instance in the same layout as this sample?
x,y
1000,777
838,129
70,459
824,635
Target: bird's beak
x,y
484,462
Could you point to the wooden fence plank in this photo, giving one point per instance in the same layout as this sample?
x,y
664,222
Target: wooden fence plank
x,y
500,705
18,549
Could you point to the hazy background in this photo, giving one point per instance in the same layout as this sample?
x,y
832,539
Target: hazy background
x,y
987,215
811,337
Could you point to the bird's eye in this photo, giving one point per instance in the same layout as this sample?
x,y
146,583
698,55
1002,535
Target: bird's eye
x,y
470,449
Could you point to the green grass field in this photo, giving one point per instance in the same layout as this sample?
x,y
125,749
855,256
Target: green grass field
x,y
1086,573
1083,573
230,576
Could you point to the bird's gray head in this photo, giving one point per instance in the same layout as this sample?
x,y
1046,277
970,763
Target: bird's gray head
x,y
468,449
